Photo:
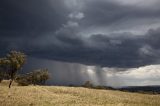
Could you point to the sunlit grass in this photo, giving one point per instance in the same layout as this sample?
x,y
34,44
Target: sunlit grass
x,y
71,96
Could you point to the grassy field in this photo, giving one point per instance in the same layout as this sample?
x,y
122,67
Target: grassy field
x,y
71,96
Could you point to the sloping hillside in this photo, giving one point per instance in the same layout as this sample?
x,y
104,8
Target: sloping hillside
x,y
71,96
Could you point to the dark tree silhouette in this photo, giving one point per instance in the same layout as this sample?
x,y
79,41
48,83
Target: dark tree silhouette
x,y
13,62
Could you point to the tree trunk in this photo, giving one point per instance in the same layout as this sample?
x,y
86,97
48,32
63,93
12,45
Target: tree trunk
x,y
12,75
10,83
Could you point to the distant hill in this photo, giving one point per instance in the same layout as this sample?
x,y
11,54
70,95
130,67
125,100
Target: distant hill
x,y
150,89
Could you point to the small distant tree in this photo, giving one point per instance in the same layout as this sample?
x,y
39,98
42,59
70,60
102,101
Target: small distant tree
x,y
88,84
39,77
13,62
44,76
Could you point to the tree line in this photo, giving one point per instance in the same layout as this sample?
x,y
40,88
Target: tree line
x,y
12,63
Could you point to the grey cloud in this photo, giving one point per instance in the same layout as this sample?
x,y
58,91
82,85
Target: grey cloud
x,y
50,30
103,50
27,16
113,17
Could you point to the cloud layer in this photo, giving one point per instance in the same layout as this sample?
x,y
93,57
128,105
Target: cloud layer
x,y
107,33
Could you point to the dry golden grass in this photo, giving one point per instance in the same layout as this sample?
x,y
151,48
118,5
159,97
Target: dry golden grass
x,y
71,96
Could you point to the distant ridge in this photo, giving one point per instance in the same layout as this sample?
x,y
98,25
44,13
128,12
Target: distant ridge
x,y
150,88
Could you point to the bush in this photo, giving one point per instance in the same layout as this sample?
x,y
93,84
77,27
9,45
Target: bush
x,y
22,80
88,84
37,77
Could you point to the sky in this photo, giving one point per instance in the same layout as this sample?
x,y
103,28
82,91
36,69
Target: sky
x,y
109,42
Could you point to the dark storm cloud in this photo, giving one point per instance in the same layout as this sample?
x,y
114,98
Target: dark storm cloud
x,y
153,38
23,20
30,16
107,13
48,29
105,51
